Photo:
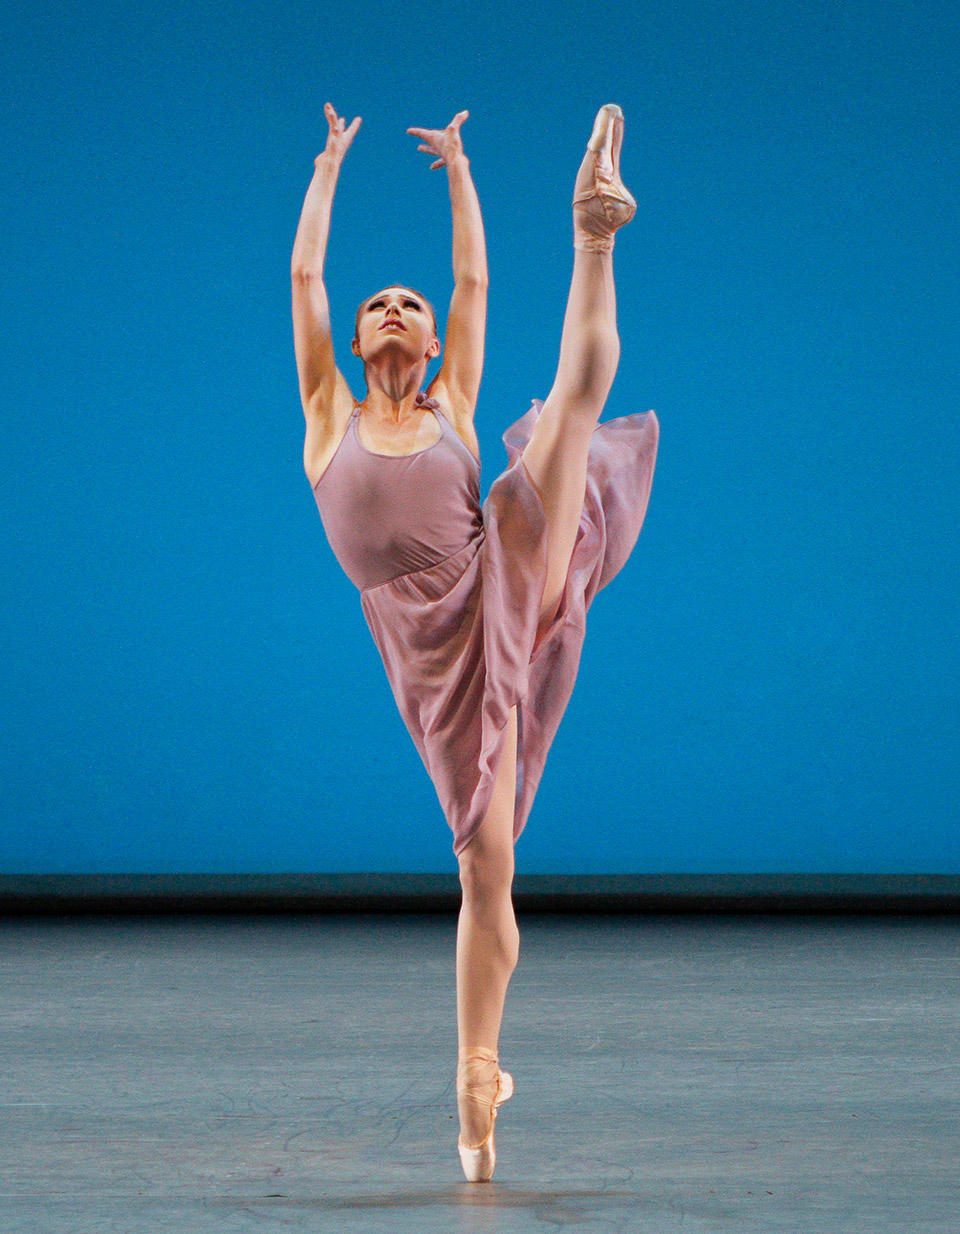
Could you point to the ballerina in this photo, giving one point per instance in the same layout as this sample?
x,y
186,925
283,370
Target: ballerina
x,y
478,611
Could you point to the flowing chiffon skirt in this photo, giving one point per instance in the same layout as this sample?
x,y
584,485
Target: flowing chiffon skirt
x,y
458,638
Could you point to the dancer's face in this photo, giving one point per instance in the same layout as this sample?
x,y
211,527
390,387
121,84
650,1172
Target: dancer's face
x,y
396,325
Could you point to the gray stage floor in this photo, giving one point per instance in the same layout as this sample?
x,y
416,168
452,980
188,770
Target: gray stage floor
x,y
297,1073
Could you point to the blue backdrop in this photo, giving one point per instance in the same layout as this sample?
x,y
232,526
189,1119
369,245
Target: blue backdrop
x,y
769,685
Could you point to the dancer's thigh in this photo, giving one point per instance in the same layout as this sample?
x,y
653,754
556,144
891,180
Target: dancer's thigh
x,y
556,457
489,853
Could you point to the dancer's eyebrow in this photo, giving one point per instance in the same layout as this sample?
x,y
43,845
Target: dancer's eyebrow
x,y
374,299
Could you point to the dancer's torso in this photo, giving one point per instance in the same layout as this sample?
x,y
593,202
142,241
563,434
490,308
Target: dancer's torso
x,y
392,514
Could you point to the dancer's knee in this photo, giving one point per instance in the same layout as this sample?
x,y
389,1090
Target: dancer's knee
x,y
486,872
488,906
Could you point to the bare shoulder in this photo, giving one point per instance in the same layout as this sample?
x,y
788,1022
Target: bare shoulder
x,y
460,410
327,419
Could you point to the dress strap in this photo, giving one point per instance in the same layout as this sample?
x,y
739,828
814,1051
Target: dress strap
x,y
420,401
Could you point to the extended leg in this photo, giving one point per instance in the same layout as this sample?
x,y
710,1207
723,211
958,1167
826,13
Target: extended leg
x,y
488,940
557,452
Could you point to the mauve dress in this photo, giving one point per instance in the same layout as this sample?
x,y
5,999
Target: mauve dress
x,y
451,591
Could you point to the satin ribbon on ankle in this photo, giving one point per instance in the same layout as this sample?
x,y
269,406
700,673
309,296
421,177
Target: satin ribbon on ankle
x,y
593,244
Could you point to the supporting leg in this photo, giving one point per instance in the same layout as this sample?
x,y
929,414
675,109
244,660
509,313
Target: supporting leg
x,y
488,939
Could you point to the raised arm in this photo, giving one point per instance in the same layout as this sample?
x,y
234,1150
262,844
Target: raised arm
x,y
459,377
312,335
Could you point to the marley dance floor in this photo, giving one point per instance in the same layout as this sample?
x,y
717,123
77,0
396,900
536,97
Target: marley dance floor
x,y
673,1073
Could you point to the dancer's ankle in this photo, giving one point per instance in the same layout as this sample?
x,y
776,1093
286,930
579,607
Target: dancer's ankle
x,y
593,244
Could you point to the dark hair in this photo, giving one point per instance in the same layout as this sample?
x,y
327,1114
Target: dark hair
x,y
356,324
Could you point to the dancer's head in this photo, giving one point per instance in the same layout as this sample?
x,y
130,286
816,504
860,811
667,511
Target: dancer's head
x,y
416,343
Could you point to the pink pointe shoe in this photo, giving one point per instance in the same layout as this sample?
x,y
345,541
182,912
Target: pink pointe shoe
x,y
601,201
473,1070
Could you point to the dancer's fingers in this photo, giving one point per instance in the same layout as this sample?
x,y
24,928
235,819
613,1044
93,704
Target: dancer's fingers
x,y
336,122
340,137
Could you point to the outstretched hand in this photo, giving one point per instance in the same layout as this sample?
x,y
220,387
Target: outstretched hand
x,y
338,138
445,143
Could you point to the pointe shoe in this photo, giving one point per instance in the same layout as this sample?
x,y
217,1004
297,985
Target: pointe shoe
x,y
601,201
479,1160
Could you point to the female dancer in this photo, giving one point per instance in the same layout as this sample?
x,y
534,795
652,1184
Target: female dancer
x,y
479,612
